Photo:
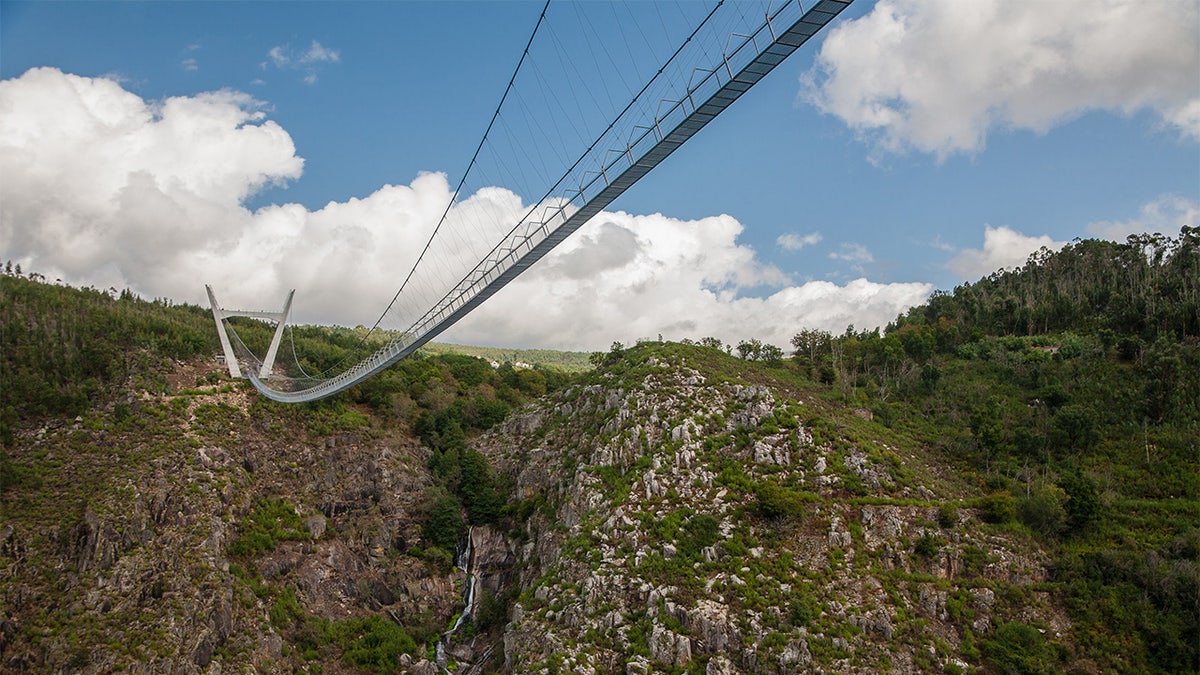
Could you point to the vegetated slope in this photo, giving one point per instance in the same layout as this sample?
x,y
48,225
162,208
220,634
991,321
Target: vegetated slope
x,y
1071,388
60,347
692,512
158,516
1025,496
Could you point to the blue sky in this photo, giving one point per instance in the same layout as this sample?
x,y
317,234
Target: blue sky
x,y
898,159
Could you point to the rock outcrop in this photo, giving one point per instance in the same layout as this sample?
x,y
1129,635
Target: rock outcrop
x,y
694,524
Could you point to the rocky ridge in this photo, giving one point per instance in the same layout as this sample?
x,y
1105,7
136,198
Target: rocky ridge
x,y
690,523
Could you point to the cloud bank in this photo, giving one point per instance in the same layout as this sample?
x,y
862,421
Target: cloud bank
x,y
100,187
938,75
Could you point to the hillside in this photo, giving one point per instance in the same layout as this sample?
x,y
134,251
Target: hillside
x,y
1072,386
569,361
695,514
962,492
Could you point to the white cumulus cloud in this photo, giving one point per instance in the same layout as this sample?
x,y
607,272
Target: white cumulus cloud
x,y
1165,215
791,241
1003,247
317,53
101,187
938,75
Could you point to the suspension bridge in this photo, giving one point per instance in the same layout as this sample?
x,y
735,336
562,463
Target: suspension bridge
x,y
474,250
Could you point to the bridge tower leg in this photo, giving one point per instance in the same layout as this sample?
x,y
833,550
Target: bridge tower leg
x,y
264,373
219,316
280,318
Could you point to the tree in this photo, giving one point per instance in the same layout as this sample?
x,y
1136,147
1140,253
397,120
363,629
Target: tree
x,y
1083,499
811,345
755,350
1074,426
930,374
771,354
750,349
1019,648
445,526
919,342
987,426
1042,511
480,492
1164,365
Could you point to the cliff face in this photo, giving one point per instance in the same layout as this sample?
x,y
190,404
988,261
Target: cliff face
x,y
203,531
669,513
686,521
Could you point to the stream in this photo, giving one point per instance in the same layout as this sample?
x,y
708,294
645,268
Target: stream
x,y
465,561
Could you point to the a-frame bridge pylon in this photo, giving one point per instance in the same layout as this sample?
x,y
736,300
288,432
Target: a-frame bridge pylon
x,y
280,318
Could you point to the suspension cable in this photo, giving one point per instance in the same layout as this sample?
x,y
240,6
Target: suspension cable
x,y
470,165
453,198
295,358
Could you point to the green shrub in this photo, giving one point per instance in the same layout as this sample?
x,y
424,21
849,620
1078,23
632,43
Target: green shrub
x,y
974,560
699,532
1019,649
272,520
490,412
438,558
373,642
1083,499
958,607
287,610
998,508
1042,511
947,516
777,502
927,546
493,610
480,489
803,609
733,476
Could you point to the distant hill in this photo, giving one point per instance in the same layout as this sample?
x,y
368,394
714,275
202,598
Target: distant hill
x,y
574,362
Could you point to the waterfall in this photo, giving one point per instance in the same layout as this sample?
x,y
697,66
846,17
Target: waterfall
x,y
465,561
